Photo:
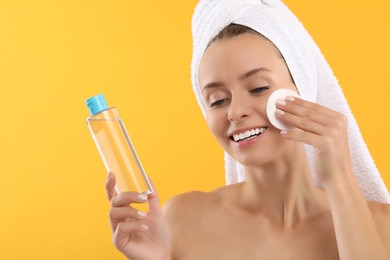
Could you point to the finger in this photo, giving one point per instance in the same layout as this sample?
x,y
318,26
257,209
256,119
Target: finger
x,y
118,215
301,136
126,212
123,231
302,123
305,109
128,197
314,106
153,199
110,186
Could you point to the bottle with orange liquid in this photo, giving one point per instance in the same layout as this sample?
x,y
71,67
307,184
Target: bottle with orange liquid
x,y
115,147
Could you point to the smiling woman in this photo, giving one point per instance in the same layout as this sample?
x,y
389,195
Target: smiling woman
x,y
55,54
243,52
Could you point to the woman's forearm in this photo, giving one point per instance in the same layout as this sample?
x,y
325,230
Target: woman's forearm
x,y
356,233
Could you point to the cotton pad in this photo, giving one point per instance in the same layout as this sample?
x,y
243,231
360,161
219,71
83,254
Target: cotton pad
x,y
271,107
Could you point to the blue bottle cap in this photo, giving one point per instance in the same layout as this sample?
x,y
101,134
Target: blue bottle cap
x,y
96,104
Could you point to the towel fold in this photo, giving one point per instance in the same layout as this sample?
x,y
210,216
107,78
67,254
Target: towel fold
x,y
312,75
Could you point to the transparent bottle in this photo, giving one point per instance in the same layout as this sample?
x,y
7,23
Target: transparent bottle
x,y
115,147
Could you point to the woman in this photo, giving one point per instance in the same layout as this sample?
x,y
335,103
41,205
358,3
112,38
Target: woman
x,y
278,212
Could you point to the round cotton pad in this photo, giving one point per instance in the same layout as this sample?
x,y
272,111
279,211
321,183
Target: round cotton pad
x,y
271,107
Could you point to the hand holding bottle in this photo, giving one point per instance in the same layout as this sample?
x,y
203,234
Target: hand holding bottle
x,y
138,235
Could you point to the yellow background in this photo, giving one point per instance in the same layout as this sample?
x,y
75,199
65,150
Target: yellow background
x,y
55,54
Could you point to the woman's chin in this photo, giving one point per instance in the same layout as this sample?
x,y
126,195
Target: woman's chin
x,y
250,160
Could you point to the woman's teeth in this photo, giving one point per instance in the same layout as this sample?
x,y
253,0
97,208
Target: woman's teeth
x,y
248,134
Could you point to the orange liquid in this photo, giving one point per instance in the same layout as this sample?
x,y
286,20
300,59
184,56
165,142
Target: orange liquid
x,y
117,152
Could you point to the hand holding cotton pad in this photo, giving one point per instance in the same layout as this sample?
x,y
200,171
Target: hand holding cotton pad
x,y
271,107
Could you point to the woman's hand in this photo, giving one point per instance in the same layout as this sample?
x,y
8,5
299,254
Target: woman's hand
x,y
325,129
136,234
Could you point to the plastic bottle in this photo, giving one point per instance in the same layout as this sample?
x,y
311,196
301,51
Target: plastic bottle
x,y
115,147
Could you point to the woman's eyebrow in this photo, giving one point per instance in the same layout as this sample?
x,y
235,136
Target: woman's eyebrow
x,y
213,85
252,72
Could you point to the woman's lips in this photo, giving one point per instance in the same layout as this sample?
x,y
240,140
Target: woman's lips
x,y
245,140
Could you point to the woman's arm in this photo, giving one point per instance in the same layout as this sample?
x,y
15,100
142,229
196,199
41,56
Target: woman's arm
x,y
356,233
326,130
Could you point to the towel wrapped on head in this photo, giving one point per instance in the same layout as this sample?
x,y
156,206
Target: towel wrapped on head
x,y
310,71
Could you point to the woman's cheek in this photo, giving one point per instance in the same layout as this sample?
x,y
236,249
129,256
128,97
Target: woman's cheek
x,y
216,124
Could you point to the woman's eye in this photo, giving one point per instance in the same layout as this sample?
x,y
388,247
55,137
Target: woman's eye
x,y
217,103
259,90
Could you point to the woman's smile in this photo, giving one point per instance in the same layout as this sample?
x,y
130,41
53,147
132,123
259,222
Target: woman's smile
x,y
245,137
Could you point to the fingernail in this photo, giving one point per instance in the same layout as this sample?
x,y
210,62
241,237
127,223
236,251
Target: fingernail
x,y
281,102
143,226
142,214
143,197
279,112
283,132
290,98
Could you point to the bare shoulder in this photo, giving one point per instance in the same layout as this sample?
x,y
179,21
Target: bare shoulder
x,y
379,210
381,215
181,209
186,215
190,204
185,203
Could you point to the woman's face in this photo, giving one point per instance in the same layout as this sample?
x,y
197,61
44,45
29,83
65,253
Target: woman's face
x,y
236,77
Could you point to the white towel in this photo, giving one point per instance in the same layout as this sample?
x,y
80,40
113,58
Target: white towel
x,y
312,75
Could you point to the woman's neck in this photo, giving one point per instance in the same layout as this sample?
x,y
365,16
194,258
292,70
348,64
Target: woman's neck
x,y
283,190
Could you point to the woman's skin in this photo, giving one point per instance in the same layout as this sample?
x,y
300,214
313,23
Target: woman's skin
x,y
278,213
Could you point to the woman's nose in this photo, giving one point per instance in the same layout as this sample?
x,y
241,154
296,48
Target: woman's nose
x,y
238,109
